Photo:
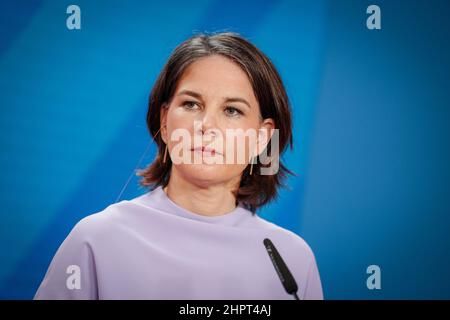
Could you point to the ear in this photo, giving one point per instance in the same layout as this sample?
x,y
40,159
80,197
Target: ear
x,y
264,135
163,121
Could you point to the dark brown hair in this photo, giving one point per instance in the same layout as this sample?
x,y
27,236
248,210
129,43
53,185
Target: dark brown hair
x,y
255,190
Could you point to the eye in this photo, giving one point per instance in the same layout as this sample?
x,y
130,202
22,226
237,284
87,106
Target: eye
x,y
190,105
233,112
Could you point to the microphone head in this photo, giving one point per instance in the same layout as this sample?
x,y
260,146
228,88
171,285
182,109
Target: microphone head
x,y
281,268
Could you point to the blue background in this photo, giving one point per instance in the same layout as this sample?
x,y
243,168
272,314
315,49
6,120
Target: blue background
x,y
371,128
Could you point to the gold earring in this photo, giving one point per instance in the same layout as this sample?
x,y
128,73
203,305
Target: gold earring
x,y
165,151
165,155
251,166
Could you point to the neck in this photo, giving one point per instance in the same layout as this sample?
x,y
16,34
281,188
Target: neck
x,y
207,200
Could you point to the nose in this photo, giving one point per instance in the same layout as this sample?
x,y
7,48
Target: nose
x,y
207,124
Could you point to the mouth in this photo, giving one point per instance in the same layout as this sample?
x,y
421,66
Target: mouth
x,y
206,151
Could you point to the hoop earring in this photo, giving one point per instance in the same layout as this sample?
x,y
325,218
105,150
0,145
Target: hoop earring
x,y
165,155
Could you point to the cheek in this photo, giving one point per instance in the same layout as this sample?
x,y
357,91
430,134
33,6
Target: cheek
x,y
177,119
242,144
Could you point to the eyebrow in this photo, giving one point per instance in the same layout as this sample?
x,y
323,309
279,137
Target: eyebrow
x,y
226,99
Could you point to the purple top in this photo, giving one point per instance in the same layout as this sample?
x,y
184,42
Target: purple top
x,y
151,248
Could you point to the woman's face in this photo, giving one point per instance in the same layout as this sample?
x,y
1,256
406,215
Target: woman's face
x,y
214,107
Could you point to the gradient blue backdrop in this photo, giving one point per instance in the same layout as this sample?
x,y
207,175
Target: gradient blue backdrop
x,y
371,128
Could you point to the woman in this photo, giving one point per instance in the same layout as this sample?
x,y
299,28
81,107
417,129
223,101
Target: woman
x,y
196,234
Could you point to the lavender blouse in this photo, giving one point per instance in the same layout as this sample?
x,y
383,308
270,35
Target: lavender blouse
x,y
151,248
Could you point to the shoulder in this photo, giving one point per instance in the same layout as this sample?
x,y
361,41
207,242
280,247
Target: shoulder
x,y
285,238
298,254
100,223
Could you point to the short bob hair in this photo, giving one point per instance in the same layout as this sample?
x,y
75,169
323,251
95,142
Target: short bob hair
x,y
254,190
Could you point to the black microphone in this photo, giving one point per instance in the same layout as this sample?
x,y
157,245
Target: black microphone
x,y
285,275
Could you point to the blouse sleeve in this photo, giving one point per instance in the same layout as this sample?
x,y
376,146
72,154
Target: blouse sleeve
x,y
313,287
72,273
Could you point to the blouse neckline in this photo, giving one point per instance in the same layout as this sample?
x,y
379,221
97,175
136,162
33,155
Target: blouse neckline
x,y
158,199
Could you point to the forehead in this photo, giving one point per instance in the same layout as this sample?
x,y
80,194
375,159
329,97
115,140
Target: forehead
x,y
217,76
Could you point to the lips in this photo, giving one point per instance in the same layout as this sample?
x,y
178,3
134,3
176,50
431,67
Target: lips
x,y
206,150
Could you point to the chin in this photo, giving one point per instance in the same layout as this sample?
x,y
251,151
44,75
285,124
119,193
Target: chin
x,y
206,174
